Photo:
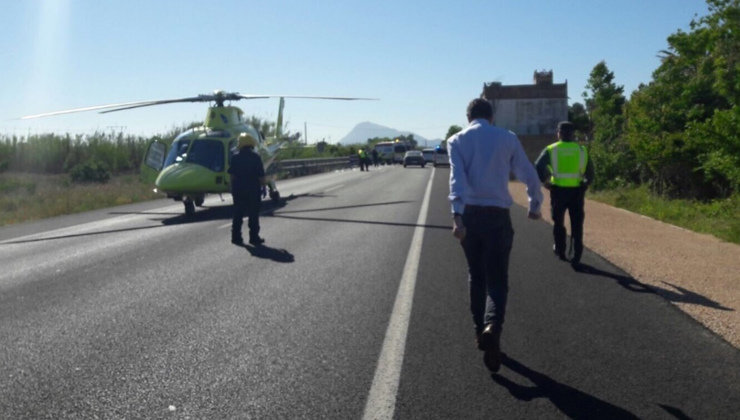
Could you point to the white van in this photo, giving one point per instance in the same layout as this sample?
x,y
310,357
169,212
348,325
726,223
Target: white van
x,y
441,157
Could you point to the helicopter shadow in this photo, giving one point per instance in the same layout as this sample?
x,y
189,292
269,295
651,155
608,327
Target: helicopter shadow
x,y
225,212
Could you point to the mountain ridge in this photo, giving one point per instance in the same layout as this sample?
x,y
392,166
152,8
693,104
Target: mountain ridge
x,y
368,130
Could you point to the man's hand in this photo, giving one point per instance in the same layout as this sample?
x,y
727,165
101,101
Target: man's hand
x,y
458,229
534,215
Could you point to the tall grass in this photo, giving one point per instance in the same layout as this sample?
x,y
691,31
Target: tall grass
x,y
25,197
719,217
55,154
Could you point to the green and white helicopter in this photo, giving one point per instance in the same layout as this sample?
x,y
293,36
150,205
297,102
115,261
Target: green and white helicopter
x,y
197,162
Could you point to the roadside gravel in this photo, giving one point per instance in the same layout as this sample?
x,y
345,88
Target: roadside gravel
x,y
698,273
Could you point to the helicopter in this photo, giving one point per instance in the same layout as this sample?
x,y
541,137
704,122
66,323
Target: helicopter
x,y
197,162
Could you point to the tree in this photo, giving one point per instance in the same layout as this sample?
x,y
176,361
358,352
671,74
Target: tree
x,y
578,115
454,129
604,104
613,160
684,124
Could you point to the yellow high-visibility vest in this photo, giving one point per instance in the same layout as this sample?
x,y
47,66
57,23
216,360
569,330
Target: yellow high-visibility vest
x,y
567,163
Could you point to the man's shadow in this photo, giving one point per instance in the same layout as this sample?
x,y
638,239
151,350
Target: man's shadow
x,y
629,283
571,402
266,252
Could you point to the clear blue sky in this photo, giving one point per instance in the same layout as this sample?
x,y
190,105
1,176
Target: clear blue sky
x,y
425,60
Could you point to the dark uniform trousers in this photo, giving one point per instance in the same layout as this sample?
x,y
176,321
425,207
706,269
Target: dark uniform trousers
x,y
487,244
246,205
572,200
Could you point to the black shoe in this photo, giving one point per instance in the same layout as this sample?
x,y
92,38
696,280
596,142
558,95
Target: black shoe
x,y
256,241
490,341
237,241
559,253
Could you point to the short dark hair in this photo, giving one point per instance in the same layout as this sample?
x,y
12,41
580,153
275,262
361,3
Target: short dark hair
x,y
567,129
480,108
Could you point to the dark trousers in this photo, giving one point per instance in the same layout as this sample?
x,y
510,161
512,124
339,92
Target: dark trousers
x,y
572,200
246,205
487,245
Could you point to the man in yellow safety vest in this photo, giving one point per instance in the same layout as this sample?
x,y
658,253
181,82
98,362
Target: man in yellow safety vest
x,y
566,170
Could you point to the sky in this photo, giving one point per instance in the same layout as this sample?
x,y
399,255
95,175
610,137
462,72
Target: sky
x,y
423,60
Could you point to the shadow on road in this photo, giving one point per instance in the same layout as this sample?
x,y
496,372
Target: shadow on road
x,y
368,222
675,412
76,235
225,212
268,253
571,402
682,296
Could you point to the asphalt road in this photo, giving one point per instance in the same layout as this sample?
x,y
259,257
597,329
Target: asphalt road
x,y
138,312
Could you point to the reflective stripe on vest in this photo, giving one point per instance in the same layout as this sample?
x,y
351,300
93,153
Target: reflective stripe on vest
x,y
568,164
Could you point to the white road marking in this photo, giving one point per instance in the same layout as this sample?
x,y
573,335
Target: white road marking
x,y
381,402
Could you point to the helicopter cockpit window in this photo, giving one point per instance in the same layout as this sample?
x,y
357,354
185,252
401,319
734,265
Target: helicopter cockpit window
x,y
208,153
178,151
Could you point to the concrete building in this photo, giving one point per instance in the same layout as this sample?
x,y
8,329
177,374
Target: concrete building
x,y
530,111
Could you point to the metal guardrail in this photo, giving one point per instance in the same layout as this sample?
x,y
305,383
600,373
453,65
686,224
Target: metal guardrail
x,y
291,168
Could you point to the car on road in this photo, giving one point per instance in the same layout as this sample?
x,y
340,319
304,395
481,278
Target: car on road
x,y
441,157
428,155
414,157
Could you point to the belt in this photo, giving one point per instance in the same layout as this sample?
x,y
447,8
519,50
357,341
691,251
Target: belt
x,y
471,209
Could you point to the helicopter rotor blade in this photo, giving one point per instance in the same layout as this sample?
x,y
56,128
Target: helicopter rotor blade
x,y
200,98
339,98
218,96
87,108
121,106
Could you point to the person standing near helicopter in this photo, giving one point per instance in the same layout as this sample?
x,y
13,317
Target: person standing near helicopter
x,y
247,181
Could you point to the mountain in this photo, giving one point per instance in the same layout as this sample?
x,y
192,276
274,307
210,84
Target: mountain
x,y
367,130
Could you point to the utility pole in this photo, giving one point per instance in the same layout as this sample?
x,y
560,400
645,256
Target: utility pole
x,y
305,133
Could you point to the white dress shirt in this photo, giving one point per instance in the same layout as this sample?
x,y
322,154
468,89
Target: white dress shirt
x,y
481,158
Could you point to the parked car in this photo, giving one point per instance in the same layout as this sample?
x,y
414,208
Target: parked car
x,y
428,155
414,157
441,157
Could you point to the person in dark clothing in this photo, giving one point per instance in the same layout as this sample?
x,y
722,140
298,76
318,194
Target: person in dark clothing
x,y
566,170
375,157
247,181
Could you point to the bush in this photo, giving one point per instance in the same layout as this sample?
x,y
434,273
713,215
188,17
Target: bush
x,y
90,171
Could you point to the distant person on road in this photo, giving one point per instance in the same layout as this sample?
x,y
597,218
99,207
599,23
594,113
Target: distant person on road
x,y
375,158
247,181
363,160
566,170
481,158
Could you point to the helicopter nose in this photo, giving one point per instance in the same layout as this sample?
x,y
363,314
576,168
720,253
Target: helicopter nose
x,y
185,177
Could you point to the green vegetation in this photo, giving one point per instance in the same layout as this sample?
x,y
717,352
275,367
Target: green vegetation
x,y
672,150
720,217
680,133
25,197
49,175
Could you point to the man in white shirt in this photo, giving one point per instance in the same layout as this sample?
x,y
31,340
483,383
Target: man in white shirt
x,y
481,158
